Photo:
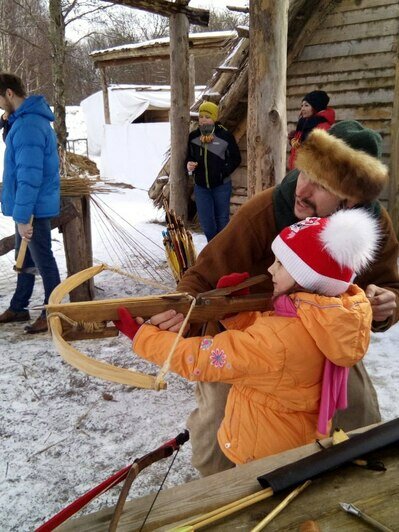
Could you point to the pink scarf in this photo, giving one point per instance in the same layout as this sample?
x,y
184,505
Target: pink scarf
x,y
335,378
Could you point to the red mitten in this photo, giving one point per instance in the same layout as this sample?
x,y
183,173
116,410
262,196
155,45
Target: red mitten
x,y
126,324
234,279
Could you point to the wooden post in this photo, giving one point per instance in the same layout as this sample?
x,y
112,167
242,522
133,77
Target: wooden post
x,y
191,77
179,112
393,191
267,124
77,245
104,85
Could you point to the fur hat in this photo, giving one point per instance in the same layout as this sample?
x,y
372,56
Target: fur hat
x,y
324,255
346,172
210,109
317,99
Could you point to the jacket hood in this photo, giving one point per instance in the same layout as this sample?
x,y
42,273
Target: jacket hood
x,y
328,114
34,104
340,326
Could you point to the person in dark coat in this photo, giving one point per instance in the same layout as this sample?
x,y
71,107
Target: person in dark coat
x,y
213,155
4,125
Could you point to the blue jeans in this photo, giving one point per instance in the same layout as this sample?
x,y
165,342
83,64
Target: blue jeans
x,y
40,256
213,207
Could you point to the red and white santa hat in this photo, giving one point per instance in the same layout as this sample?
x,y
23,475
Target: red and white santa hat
x,y
324,255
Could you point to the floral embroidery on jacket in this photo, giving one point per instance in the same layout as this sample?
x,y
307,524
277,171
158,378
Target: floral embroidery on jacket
x,y
218,358
206,343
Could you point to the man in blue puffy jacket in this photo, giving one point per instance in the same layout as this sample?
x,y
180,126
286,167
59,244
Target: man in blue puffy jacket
x,y
31,187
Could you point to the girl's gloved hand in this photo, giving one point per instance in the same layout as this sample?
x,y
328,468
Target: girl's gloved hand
x,y
126,323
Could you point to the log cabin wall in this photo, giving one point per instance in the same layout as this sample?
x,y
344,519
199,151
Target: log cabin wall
x,y
352,56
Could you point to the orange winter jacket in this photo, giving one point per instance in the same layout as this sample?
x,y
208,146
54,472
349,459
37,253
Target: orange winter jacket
x,y
275,365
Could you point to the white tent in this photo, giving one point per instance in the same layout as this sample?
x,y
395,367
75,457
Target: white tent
x,y
126,102
130,152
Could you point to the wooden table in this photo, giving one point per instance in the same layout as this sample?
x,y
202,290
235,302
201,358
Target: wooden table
x,y
375,493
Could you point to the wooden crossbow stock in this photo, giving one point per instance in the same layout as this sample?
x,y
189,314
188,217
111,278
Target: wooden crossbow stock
x,y
93,319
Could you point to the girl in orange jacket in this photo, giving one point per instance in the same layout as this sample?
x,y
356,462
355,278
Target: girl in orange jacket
x,y
288,367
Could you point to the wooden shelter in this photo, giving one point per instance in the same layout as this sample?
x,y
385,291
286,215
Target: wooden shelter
x,y
155,50
349,48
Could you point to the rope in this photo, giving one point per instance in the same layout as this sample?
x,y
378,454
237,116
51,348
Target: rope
x,y
166,365
87,326
137,278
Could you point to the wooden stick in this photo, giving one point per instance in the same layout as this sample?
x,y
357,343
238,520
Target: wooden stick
x,y
219,513
279,508
133,472
22,251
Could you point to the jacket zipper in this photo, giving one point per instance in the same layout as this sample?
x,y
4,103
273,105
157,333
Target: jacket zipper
x,y
206,165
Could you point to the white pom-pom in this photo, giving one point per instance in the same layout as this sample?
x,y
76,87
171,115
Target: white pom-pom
x,y
351,237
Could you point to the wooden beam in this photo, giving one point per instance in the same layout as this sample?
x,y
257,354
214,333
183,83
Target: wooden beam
x,y
393,191
232,70
191,78
104,85
77,245
200,17
243,32
179,112
238,9
267,122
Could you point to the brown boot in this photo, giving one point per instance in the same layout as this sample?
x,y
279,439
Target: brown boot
x,y
39,326
9,316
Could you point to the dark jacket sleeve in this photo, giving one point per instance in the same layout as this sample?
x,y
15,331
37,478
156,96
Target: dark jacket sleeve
x,y
4,124
384,270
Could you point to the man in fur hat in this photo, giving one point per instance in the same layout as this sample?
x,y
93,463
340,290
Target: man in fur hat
x,y
335,170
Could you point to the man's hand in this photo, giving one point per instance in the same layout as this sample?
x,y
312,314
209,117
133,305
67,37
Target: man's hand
x,y
25,231
169,320
383,302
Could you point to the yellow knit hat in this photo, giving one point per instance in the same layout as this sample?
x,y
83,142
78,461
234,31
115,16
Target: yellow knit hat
x,y
209,108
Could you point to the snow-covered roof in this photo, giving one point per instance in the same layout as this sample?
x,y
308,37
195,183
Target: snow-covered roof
x,y
161,46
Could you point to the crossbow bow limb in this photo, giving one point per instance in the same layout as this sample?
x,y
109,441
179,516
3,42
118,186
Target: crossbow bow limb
x,y
92,319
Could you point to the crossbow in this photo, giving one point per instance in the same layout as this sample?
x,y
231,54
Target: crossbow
x,y
94,319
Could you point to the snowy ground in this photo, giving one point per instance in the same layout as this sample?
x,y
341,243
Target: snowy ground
x,y
63,432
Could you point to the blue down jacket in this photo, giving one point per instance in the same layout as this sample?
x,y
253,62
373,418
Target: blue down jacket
x,y
31,180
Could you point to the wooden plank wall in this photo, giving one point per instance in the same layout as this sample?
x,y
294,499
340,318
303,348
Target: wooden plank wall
x,y
352,56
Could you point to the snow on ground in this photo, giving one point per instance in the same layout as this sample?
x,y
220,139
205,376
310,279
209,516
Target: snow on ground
x,y
63,432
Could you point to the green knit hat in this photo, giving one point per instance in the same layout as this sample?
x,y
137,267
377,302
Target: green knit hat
x,y
209,108
358,137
